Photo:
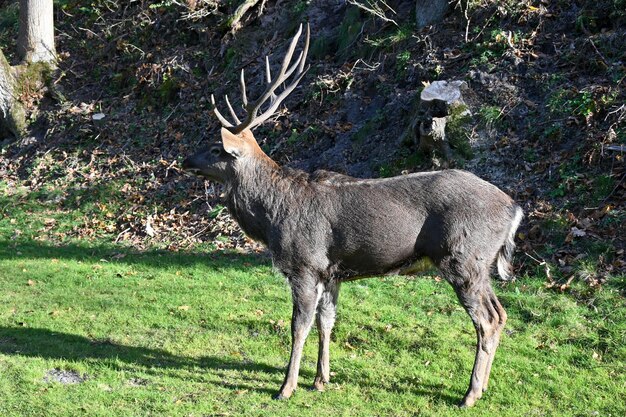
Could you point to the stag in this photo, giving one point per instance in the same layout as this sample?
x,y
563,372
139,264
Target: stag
x,y
325,228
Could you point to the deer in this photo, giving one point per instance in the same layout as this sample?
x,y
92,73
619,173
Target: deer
x,y
324,229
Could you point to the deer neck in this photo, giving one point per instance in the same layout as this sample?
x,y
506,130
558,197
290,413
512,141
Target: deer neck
x,y
254,196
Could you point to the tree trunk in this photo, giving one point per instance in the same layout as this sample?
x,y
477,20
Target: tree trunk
x,y
12,114
35,42
429,12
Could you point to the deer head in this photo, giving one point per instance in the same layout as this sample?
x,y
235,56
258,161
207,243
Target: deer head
x,y
217,161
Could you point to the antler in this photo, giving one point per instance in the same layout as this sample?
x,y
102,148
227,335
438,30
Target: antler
x,y
252,119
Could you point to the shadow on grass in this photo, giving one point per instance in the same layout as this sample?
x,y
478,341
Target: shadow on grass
x,y
50,345
437,391
29,249
47,344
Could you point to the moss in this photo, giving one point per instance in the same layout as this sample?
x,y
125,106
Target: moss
x,y
457,130
230,57
32,77
392,38
408,161
17,120
122,81
15,115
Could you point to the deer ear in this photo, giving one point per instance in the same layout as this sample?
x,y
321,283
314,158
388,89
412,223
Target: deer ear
x,y
232,143
247,136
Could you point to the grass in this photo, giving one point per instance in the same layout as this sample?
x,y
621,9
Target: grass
x,y
205,333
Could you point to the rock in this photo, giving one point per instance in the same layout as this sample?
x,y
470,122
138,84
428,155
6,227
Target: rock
x,y
428,12
64,377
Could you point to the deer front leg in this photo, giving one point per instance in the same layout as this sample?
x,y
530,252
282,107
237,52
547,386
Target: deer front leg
x,y
306,294
326,311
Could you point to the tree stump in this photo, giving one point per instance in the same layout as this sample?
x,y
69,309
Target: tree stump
x,y
436,102
433,137
427,129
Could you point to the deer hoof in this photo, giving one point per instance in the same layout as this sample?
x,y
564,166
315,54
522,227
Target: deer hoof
x,y
318,385
467,402
281,396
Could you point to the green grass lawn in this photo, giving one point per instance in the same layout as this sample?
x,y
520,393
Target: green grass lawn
x,y
206,333
161,333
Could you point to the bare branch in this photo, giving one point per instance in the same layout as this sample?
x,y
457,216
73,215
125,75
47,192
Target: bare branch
x,y
374,7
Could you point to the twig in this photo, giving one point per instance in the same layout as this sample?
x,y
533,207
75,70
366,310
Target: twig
x,y
484,27
189,238
619,183
121,233
375,9
621,108
356,38
541,263
616,148
598,52
233,22
93,33
467,18
171,166
367,67
261,8
171,113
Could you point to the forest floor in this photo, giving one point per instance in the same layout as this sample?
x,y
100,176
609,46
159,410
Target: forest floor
x,y
107,245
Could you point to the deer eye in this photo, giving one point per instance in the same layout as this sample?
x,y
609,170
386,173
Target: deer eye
x,y
215,151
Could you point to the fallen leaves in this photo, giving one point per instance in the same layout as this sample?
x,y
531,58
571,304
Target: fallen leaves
x,y
278,326
574,232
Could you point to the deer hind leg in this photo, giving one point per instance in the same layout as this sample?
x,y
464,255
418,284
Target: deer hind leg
x,y
306,293
473,288
326,311
497,310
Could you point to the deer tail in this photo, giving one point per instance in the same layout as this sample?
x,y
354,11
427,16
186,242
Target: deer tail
x,y
507,249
